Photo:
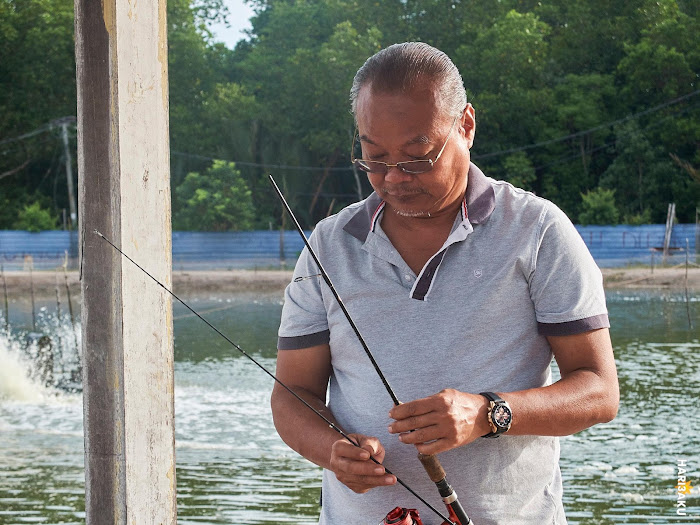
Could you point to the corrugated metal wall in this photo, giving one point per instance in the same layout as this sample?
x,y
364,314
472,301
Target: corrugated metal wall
x,y
621,245
611,246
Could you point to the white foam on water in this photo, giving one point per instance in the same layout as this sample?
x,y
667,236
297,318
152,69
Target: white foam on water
x,y
198,445
15,383
632,497
627,470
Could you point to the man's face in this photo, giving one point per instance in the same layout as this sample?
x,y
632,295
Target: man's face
x,y
401,127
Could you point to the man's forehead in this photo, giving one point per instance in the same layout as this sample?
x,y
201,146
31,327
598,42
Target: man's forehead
x,y
418,139
423,94
414,115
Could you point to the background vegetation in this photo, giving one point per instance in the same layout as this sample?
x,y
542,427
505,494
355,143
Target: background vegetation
x,y
592,104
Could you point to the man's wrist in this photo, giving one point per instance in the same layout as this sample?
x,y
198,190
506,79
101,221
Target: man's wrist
x,y
482,419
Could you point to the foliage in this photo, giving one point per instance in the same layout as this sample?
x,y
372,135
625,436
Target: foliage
x,y
35,218
598,207
571,98
519,171
217,201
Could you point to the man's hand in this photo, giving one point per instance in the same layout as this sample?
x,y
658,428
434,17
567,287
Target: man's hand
x,y
446,420
353,467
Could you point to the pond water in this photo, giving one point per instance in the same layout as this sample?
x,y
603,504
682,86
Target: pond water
x,y
232,468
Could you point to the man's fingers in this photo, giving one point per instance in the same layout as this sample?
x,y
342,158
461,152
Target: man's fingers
x,y
362,484
356,467
412,408
414,422
353,467
434,447
422,435
348,450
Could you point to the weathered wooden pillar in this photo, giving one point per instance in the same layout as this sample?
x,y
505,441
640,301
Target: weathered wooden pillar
x,y
124,179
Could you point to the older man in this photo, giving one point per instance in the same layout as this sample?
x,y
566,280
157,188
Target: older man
x,y
464,288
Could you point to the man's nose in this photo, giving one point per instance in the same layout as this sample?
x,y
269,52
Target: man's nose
x,y
396,175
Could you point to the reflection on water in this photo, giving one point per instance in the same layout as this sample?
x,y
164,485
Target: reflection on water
x,y
234,469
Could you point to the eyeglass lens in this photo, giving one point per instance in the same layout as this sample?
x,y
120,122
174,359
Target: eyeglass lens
x,y
381,168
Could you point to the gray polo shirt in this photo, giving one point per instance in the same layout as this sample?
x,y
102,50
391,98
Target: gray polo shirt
x,y
512,271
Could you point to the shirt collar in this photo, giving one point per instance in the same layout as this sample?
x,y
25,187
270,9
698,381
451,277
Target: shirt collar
x,y
479,203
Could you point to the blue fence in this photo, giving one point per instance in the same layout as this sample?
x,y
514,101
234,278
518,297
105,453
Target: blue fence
x,y
611,246
622,245
42,250
252,249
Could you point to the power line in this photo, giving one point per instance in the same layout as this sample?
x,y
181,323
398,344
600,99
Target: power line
x,y
590,130
46,127
42,129
259,165
617,137
58,122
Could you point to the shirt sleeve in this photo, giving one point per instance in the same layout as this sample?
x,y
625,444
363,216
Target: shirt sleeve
x,y
304,321
566,285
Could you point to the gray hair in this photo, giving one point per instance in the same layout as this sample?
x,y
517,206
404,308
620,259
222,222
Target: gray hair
x,y
399,67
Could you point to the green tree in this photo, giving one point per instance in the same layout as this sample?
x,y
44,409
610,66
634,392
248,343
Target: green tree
x,y
35,218
644,176
195,66
519,171
598,207
510,55
37,85
218,201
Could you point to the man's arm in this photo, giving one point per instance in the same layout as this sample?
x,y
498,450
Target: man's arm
x,y
307,372
586,394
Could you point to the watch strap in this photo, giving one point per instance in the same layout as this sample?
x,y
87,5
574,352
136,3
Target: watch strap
x,y
495,400
492,397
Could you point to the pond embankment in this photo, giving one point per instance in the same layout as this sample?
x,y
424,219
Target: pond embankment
x,y
271,281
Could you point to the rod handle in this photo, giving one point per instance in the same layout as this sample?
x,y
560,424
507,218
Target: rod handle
x,y
432,466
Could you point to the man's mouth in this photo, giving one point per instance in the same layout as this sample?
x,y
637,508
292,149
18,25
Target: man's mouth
x,y
402,193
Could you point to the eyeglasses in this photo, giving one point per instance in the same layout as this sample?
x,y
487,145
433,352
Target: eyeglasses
x,y
413,167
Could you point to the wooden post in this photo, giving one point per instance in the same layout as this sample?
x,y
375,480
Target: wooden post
x,y
124,192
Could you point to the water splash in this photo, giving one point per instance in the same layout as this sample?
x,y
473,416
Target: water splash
x,y
36,366
16,382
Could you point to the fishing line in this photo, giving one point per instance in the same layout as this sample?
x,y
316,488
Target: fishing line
x,y
335,294
261,367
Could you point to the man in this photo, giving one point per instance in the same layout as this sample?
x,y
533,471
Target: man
x,y
461,285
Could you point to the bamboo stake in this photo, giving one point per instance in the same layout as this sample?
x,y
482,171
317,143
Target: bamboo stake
x,y
58,326
687,300
7,309
31,286
72,318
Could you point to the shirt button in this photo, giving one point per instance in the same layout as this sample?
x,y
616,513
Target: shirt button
x,y
408,277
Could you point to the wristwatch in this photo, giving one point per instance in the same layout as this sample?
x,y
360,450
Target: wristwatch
x,y
500,415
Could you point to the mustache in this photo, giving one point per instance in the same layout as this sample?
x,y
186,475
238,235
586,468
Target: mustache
x,y
401,190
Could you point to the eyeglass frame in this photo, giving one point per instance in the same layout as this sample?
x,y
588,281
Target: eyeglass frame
x,y
400,165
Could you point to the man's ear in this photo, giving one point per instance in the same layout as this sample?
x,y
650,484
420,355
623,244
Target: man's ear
x,y
467,126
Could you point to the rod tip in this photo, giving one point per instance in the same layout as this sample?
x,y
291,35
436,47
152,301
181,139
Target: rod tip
x,y
98,233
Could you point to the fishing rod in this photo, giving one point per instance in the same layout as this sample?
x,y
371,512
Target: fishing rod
x,y
330,423
430,462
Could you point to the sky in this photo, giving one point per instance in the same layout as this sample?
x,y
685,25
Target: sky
x,y
238,19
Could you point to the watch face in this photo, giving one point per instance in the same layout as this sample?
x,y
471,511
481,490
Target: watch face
x,y
502,416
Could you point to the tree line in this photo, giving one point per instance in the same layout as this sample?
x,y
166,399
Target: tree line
x,y
593,105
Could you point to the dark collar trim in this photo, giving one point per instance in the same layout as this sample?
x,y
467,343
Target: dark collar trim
x,y
360,223
481,198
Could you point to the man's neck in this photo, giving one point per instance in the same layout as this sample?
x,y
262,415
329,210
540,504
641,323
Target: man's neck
x,y
431,221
